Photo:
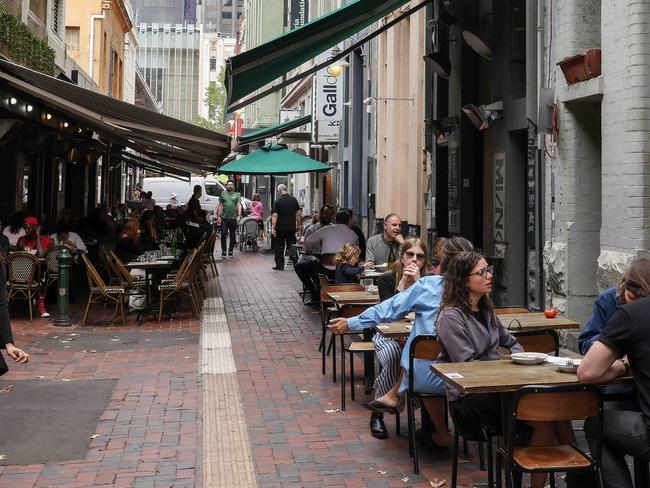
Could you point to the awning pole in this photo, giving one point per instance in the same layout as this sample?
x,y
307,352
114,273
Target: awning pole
x,y
320,66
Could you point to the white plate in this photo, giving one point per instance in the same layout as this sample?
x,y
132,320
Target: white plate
x,y
528,357
410,316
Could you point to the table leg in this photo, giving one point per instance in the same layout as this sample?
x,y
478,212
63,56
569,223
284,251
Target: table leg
x,y
147,306
368,364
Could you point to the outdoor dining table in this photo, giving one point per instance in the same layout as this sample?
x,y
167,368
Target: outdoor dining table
x,y
535,320
354,297
149,267
395,330
372,275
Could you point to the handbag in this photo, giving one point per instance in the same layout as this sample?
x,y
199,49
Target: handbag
x,y
3,365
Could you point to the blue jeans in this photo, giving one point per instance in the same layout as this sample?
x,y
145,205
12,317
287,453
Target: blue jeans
x,y
624,432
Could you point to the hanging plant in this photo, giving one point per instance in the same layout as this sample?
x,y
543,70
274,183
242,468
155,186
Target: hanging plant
x,y
20,45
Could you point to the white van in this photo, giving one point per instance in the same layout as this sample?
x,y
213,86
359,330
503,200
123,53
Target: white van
x,y
162,188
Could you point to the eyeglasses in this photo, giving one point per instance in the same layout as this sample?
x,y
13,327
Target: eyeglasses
x,y
484,272
435,262
412,255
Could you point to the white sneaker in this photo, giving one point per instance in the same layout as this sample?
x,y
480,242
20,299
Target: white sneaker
x,y
44,315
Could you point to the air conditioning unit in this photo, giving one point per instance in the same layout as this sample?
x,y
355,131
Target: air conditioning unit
x,y
154,27
168,28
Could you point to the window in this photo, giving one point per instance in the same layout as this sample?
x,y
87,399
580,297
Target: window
x,y
213,64
226,15
56,12
212,189
72,37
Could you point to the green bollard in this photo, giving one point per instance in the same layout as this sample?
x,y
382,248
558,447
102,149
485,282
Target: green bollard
x,y
62,314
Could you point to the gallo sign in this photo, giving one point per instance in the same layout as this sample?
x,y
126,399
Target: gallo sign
x,y
327,104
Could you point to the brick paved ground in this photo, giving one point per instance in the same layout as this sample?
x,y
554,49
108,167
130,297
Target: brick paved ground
x,y
295,442
149,434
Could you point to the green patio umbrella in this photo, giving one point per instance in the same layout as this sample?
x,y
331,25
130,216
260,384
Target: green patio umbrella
x,y
273,159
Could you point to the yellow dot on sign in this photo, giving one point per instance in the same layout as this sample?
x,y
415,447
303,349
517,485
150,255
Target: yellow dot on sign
x,y
335,70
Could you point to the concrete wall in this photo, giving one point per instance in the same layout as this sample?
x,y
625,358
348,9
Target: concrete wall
x,y
573,178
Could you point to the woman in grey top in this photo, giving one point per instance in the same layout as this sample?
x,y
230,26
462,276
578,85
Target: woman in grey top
x,y
469,330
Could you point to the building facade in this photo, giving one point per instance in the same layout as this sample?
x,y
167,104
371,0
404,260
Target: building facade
x,y
221,16
95,35
168,56
215,49
165,11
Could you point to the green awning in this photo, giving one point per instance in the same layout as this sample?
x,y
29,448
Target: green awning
x,y
273,159
253,69
266,132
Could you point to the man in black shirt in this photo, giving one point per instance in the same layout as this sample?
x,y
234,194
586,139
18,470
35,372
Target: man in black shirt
x,y
358,232
194,203
285,221
626,335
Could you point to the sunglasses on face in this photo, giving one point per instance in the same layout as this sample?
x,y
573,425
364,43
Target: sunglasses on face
x,y
411,255
483,272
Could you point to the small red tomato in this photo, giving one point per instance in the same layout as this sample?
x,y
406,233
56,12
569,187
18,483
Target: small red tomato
x,y
550,313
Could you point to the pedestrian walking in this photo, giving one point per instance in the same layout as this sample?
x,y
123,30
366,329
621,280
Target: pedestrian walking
x,y
228,216
285,221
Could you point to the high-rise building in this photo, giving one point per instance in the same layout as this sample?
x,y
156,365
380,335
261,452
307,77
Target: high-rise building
x,y
168,57
221,16
165,11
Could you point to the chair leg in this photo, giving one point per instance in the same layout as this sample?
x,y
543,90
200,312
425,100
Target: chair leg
x,y
342,372
481,457
160,308
122,310
83,321
398,423
333,347
465,448
454,461
352,376
498,470
552,479
488,440
29,300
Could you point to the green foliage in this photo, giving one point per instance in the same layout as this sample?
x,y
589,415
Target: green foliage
x,y
215,100
23,47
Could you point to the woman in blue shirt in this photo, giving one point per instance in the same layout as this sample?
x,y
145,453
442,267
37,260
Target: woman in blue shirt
x,y
423,298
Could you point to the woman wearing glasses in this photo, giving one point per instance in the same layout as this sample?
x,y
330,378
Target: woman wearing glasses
x,y
423,298
469,330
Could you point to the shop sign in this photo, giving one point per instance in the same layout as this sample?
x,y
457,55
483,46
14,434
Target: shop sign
x,y
299,13
327,104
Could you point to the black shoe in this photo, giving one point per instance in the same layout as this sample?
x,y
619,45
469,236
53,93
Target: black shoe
x,y
278,268
378,428
377,406
230,254
223,254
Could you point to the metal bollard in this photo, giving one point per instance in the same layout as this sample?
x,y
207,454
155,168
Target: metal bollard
x,y
62,314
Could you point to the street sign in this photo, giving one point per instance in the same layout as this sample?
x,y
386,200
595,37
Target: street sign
x,y
328,106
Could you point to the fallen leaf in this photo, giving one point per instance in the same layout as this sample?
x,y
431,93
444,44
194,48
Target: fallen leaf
x,y
405,479
73,334
115,340
41,377
55,337
187,357
64,341
65,379
7,389
381,472
436,483
461,461
332,410
2,456
304,391
94,436
147,340
92,350
66,347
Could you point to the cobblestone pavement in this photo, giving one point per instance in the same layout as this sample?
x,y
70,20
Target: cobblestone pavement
x,y
149,434
286,398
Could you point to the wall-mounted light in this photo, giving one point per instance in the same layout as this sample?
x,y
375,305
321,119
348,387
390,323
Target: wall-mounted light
x,y
439,63
48,116
482,115
29,108
65,124
13,101
480,43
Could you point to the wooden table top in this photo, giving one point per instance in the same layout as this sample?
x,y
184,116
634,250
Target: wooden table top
x,y
502,376
360,297
394,330
536,320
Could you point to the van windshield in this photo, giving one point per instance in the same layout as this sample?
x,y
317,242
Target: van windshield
x,y
212,189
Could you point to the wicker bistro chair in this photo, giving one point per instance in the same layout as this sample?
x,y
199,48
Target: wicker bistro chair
x,y
100,291
52,271
208,254
249,230
182,285
23,275
132,285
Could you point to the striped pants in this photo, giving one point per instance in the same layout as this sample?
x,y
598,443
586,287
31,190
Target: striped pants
x,y
389,354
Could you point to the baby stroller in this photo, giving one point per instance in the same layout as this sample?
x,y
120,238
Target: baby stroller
x,y
248,232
